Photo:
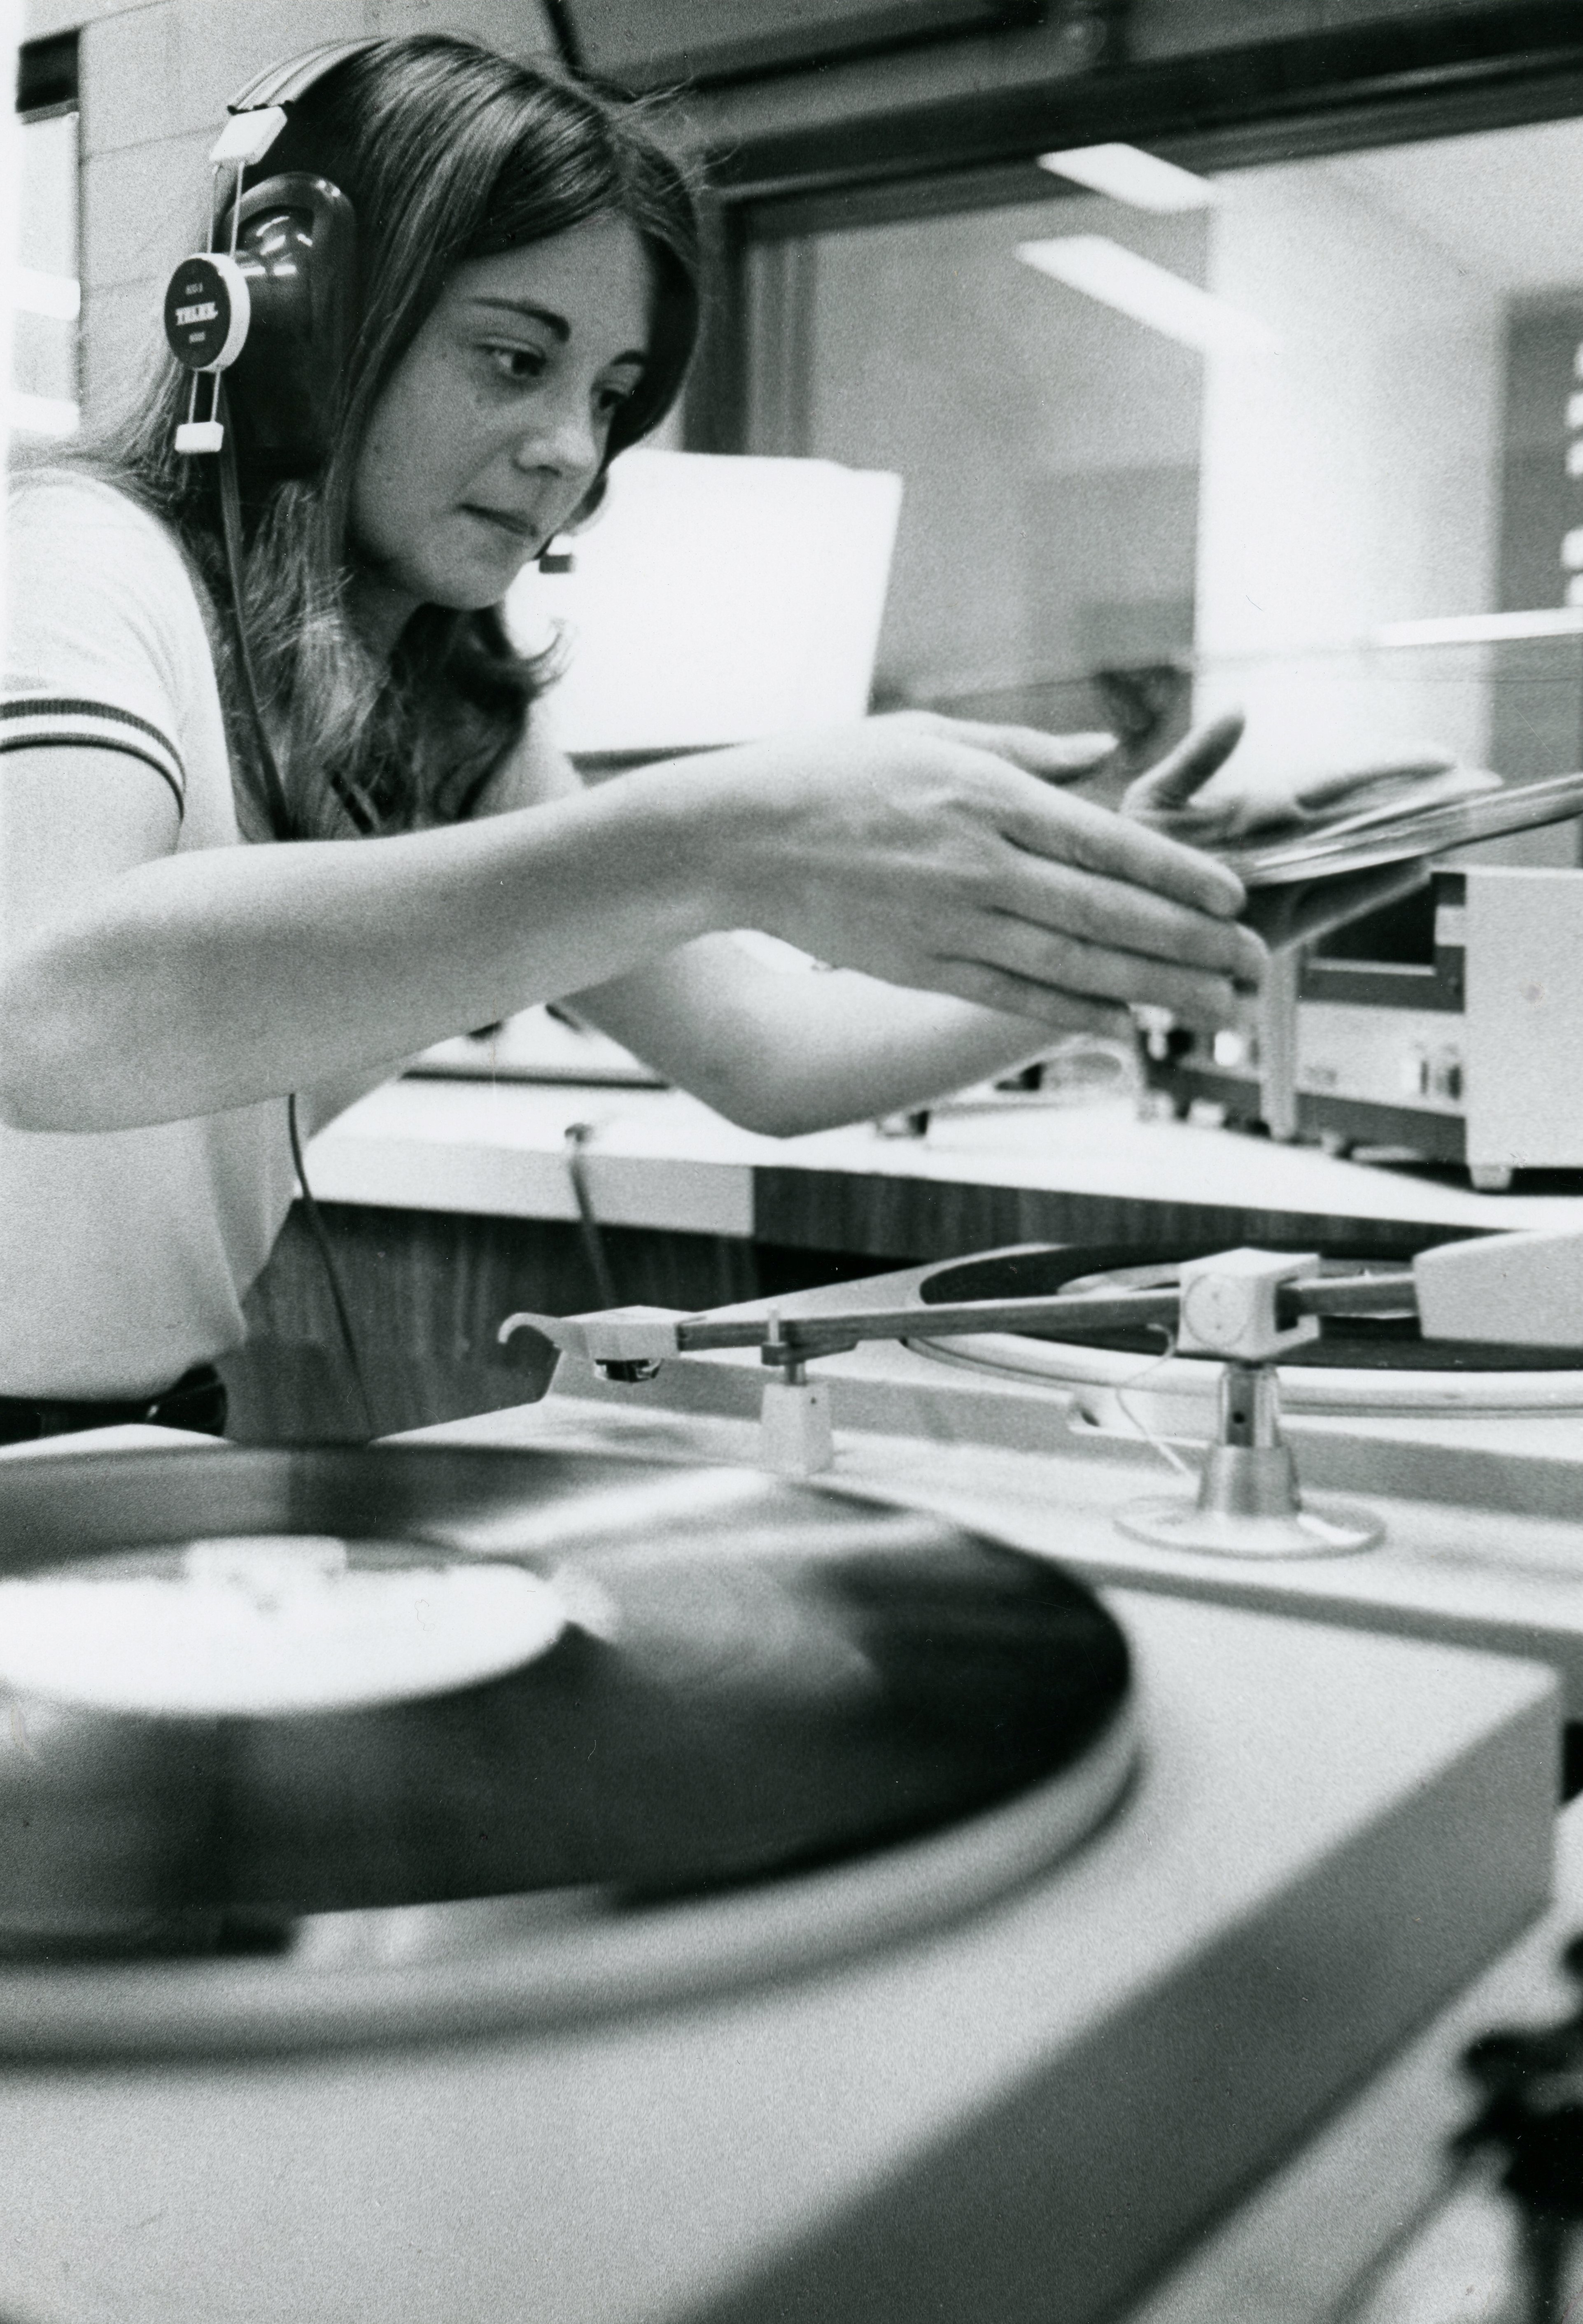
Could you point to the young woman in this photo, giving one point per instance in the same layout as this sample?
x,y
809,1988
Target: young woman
x,y
168,976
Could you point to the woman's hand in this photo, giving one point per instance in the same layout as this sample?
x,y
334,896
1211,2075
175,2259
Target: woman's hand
x,y
939,855
1180,796
1172,797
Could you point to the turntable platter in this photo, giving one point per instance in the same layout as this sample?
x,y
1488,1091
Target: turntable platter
x,y
260,1624
846,1716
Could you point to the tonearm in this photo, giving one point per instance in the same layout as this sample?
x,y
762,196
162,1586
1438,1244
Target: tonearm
x,y
1245,1307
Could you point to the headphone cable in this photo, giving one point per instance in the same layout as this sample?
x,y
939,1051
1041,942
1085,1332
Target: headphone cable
x,y
279,812
564,35
281,818
321,1237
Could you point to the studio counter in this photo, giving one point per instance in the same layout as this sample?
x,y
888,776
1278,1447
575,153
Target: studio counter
x,y
1018,1170
451,1202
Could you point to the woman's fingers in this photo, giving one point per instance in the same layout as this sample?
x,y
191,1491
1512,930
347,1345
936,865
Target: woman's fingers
x,y
1168,796
1075,831
1103,905
1167,789
1040,957
1053,758
1028,983
1318,794
1042,1004
1111,910
1095,909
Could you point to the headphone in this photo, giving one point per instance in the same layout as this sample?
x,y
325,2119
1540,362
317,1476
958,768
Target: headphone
x,y
276,307
273,315
273,299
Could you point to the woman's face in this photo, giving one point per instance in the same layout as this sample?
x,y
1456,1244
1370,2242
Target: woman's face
x,y
494,425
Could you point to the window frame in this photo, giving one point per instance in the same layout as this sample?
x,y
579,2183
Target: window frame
x,y
779,170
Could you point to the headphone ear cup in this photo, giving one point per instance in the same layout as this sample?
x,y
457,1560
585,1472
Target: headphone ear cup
x,y
296,246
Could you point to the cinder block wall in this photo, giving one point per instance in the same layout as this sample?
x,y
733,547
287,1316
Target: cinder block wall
x,y
154,82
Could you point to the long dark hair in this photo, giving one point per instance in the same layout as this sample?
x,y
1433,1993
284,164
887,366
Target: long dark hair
x,y
448,152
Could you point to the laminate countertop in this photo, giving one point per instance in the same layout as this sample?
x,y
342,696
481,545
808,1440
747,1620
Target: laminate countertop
x,y
1021,1170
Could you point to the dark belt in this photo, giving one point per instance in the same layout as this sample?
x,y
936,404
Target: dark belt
x,y
196,1401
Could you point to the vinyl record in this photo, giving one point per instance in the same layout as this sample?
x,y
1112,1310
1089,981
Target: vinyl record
x,y
286,1736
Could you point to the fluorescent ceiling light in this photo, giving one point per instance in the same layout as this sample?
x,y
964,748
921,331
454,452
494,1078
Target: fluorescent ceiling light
x,y
56,295
42,415
1482,628
1150,294
1128,174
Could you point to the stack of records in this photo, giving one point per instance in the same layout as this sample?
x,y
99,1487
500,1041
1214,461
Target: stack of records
x,y
1401,822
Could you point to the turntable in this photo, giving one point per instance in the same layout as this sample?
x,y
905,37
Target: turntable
x,y
1454,1451
261,1701
746,1898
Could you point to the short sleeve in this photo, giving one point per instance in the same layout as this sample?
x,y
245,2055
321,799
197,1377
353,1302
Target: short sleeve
x,y
100,626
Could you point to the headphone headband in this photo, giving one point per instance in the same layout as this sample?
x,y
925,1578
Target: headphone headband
x,y
283,84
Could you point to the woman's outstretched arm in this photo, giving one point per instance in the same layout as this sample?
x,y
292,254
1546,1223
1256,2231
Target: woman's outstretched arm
x,y
140,984
787,1052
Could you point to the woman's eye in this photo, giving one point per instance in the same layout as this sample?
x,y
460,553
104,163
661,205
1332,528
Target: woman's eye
x,y
517,363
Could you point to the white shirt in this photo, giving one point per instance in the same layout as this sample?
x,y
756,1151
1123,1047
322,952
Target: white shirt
x,y
124,1256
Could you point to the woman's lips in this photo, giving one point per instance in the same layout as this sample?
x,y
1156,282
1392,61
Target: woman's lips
x,y
520,527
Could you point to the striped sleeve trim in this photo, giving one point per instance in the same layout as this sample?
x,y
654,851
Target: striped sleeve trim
x,y
32,722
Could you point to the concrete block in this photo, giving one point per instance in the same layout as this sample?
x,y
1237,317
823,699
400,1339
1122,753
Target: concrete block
x,y
144,207
43,19
222,47
170,68
519,28
122,344
129,67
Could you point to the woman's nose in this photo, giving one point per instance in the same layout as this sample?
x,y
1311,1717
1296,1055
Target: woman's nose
x,y
564,439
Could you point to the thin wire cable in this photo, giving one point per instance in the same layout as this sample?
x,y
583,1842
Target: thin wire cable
x,y
279,812
577,1137
284,828
1135,1379
282,819
565,34
332,1272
